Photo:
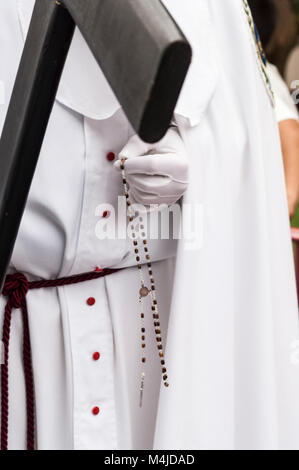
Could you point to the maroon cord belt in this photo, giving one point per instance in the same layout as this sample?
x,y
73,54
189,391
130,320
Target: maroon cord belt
x,y
15,289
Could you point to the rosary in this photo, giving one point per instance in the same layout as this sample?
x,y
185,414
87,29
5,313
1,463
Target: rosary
x,y
144,290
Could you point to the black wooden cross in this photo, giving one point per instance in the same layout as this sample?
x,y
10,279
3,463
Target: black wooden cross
x,y
144,56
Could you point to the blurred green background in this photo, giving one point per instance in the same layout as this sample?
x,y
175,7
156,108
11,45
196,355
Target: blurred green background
x,y
295,221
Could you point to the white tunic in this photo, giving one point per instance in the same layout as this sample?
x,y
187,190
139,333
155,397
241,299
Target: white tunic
x,y
233,313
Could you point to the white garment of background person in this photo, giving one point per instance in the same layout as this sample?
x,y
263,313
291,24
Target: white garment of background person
x,y
292,72
288,119
285,107
230,316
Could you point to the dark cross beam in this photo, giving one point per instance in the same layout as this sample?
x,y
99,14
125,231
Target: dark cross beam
x,y
144,56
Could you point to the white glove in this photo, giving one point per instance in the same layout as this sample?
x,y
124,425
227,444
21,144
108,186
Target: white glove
x,y
156,173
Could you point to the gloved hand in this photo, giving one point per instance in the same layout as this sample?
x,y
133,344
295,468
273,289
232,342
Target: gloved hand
x,y
156,173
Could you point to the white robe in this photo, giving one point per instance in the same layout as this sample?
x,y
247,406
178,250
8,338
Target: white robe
x,y
231,313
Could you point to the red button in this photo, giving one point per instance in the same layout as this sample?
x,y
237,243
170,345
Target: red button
x,y
110,156
98,270
91,301
96,410
106,214
96,356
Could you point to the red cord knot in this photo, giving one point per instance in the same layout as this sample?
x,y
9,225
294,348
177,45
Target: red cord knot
x,y
16,287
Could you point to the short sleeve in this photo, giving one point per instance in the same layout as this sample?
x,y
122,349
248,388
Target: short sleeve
x,y
285,109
